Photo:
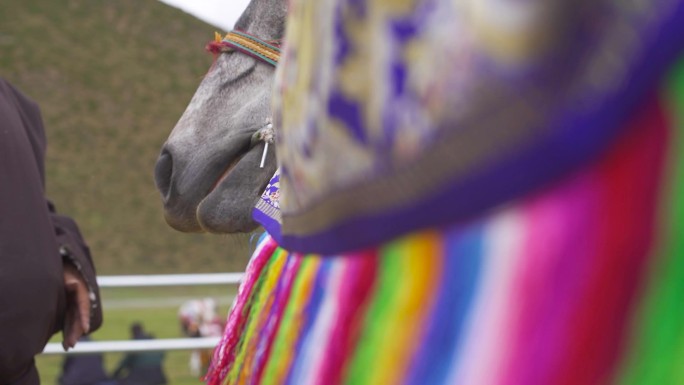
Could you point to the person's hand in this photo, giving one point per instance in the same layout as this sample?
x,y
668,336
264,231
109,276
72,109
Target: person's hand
x,y
77,315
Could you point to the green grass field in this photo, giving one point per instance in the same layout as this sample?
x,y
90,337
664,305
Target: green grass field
x,y
160,321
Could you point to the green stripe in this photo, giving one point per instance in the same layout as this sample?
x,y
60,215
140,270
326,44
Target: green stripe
x,y
254,309
370,343
262,57
242,47
246,36
288,331
656,355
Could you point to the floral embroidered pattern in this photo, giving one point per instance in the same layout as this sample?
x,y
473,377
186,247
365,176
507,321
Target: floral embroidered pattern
x,y
272,193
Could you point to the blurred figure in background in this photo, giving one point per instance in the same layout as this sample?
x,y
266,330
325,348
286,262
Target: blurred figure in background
x,y
47,277
140,368
84,369
199,318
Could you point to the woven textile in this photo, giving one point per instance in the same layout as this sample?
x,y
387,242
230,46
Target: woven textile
x,y
397,116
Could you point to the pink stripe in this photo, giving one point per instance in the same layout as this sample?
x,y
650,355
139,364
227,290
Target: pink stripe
x,y
273,323
354,295
629,174
224,354
557,254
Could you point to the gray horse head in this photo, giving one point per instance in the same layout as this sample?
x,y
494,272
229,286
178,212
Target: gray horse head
x,y
208,172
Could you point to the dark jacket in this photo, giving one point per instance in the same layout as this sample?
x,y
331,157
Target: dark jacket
x,y
86,369
141,368
34,242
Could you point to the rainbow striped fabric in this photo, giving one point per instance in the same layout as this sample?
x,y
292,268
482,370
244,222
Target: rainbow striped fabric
x,y
582,283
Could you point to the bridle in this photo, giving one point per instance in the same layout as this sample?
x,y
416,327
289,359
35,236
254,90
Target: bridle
x,y
266,51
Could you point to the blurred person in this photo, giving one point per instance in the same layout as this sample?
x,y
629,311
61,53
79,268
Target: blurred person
x,y
140,368
85,369
199,318
47,277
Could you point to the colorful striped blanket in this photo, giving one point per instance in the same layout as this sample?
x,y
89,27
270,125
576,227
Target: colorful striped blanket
x,y
582,283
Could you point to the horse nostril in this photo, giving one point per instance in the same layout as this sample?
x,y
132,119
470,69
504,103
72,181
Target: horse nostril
x,y
163,171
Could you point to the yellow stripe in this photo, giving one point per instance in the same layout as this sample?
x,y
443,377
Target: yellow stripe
x,y
264,305
254,46
261,304
420,257
289,332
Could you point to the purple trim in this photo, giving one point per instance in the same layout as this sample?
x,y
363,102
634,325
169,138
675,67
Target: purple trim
x,y
575,141
269,224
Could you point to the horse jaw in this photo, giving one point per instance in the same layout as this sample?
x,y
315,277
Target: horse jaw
x,y
208,173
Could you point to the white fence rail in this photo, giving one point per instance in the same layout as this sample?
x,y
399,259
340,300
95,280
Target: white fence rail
x,y
86,347
169,280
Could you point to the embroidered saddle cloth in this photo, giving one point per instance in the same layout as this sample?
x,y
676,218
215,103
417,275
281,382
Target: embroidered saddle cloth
x,y
394,116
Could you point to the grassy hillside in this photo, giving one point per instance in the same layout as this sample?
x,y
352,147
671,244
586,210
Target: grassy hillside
x,y
112,78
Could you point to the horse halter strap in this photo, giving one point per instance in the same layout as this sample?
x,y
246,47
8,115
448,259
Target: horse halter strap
x,y
266,51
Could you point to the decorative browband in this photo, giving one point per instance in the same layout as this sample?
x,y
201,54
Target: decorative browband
x,y
268,51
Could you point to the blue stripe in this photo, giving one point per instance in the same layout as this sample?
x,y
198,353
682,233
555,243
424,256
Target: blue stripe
x,y
463,249
309,313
